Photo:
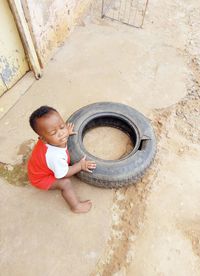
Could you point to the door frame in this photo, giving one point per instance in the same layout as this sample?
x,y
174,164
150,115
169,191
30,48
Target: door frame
x,y
18,13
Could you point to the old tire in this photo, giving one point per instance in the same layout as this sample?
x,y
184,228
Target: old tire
x,y
114,173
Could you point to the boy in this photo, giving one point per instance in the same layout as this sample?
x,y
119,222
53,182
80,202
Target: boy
x,y
48,166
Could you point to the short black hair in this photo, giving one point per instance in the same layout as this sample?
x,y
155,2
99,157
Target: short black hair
x,y
38,113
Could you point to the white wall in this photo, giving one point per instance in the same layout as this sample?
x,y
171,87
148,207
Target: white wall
x,y
50,22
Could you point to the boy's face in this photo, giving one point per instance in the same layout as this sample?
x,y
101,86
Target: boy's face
x,y
52,129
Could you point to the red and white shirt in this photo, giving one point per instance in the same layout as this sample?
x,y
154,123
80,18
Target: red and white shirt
x,y
46,164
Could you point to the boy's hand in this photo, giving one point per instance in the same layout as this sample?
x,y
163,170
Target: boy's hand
x,y
70,128
86,165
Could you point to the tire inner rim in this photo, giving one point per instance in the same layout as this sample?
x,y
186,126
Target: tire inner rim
x,y
113,121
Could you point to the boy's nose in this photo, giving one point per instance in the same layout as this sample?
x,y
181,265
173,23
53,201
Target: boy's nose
x,y
60,133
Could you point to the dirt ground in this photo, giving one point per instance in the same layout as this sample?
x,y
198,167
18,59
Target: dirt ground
x,y
156,229
152,228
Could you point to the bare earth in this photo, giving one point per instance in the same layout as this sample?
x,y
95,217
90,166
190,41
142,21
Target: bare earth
x,y
150,229
156,225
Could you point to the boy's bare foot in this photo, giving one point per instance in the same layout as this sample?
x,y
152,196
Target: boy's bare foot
x,y
83,207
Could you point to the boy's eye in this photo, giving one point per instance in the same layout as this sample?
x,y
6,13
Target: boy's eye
x,y
53,133
62,126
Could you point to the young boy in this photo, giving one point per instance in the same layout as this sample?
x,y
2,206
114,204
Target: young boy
x,y
48,166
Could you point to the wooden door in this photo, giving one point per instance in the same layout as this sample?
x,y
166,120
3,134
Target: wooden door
x,y
13,62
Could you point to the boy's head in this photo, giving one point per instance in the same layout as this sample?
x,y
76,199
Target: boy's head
x,y
49,125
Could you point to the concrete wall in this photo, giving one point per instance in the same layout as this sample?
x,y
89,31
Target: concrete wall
x,y
50,22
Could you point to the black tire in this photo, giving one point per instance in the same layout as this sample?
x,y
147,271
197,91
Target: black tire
x,y
113,173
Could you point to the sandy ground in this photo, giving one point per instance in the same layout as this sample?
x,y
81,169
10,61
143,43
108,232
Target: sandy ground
x,y
151,228
157,231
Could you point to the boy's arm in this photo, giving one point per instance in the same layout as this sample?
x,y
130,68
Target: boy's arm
x,y
83,164
73,169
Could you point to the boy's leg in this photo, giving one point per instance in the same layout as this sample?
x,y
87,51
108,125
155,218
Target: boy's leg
x,y
70,197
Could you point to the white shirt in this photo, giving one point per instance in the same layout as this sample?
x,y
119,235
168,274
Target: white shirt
x,y
57,159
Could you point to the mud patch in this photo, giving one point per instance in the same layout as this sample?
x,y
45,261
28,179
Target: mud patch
x,y
17,174
25,148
